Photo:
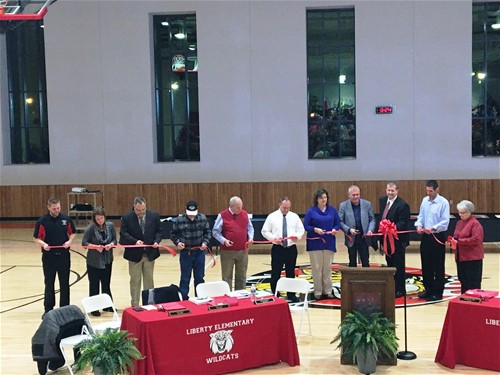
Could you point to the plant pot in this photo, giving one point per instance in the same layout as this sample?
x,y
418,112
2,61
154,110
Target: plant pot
x,y
367,362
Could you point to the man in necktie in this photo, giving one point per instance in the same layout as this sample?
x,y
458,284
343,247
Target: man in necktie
x,y
140,227
280,224
398,212
356,220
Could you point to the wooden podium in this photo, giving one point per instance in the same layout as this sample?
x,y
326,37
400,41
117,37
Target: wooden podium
x,y
368,289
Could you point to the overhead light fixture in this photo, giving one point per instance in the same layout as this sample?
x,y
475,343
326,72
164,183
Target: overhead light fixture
x,y
342,79
496,25
164,23
174,86
481,75
192,47
180,35
29,100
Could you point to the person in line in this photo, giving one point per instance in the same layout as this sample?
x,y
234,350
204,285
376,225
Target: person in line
x,y
140,227
280,224
469,252
191,234
233,229
100,238
432,223
396,210
321,222
356,220
54,232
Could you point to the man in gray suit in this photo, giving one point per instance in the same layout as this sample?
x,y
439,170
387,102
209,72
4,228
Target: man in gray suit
x,y
356,220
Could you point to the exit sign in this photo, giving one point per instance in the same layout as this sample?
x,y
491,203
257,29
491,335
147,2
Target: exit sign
x,y
383,110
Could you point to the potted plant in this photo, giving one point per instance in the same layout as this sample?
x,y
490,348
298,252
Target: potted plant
x,y
367,336
109,353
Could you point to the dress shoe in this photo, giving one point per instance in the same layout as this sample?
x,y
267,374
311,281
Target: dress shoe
x,y
399,294
318,296
293,299
433,298
108,309
328,296
95,313
422,294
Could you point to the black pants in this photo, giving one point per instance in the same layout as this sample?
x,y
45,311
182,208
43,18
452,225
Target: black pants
x,y
360,247
99,276
470,274
398,260
56,264
283,256
432,255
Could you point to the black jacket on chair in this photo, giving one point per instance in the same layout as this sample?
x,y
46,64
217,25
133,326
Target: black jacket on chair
x,y
130,233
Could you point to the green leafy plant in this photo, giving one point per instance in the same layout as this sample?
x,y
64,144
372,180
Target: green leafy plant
x,y
109,353
364,332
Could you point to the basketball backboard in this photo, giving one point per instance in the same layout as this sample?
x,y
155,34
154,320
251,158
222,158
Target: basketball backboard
x,y
23,10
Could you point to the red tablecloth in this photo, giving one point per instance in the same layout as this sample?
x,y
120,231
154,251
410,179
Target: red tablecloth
x,y
248,336
471,335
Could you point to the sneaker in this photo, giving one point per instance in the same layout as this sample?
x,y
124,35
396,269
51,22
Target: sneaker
x,y
95,313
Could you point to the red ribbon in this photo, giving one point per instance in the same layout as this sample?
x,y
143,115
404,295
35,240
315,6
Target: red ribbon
x,y
96,247
388,229
269,242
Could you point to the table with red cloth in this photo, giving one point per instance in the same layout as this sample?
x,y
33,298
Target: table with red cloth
x,y
213,342
471,334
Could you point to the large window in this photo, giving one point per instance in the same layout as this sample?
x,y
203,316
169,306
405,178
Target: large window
x,y
331,84
29,139
176,88
486,79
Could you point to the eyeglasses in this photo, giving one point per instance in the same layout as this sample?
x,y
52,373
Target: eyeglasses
x,y
463,212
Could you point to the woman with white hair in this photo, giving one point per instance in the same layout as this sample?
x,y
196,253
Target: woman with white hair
x,y
469,252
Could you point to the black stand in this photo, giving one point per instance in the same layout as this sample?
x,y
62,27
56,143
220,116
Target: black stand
x,y
406,355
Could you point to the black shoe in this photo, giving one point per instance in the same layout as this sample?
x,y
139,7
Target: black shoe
x,y
399,294
54,365
433,298
293,299
422,294
108,309
95,313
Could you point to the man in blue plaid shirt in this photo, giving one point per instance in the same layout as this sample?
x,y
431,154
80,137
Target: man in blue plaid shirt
x,y
191,234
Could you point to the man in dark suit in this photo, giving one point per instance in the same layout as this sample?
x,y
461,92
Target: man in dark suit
x,y
356,220
395,209
140,227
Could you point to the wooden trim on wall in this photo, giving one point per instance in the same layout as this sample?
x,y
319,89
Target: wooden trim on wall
x,y
259,198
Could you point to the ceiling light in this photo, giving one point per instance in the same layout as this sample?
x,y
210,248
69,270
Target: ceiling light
x,y
342,78
496,25
180,35
481,75
164,23
29,100
174,86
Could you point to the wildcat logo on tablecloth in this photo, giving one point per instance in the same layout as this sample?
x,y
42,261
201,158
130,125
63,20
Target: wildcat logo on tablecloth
x,y
221,341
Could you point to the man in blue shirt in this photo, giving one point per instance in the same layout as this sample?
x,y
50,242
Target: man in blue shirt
x,y
432,224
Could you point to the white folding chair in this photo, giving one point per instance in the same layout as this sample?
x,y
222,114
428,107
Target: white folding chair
x,y
212,289
71,342
296,286
99,302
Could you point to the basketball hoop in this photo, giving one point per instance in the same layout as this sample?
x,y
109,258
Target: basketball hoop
x,y
3,3
178,63
13,11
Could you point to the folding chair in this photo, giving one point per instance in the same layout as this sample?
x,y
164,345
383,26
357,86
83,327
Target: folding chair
x,y
212,289
99,302
163,294
71,342
296,286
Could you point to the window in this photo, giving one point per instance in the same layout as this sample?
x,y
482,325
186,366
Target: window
x,y
29,138
486,79
176,88
331,84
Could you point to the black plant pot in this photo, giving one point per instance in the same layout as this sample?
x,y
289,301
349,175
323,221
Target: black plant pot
x,y
367,362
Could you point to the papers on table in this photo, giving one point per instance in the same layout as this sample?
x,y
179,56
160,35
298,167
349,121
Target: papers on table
x,y
149,307
200,300
246,294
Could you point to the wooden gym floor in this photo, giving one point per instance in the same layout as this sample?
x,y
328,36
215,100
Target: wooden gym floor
x,y
21,305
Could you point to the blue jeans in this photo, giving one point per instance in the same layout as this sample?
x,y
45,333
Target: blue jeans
x,y
191,261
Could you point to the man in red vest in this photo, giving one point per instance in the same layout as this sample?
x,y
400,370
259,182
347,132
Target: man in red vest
x,y
233,229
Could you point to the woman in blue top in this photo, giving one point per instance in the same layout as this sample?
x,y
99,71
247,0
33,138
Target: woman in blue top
x,y
321,223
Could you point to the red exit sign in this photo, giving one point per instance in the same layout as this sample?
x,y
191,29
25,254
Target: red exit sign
x,y
383,110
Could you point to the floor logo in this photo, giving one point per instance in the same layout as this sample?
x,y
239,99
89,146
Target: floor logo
x,y
414,285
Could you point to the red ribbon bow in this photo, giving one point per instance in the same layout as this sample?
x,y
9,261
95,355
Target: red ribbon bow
x,y
388,229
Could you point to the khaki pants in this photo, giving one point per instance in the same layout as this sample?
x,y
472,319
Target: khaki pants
x,y
237,259
321,265
143,269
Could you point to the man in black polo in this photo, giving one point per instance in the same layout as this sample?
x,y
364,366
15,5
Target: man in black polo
x,y
54,232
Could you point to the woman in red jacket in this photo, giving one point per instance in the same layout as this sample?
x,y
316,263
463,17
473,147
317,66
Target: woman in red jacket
x,y
470,252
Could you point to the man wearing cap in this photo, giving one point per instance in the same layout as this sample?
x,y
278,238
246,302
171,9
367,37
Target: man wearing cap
x,y
233,229
191,234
